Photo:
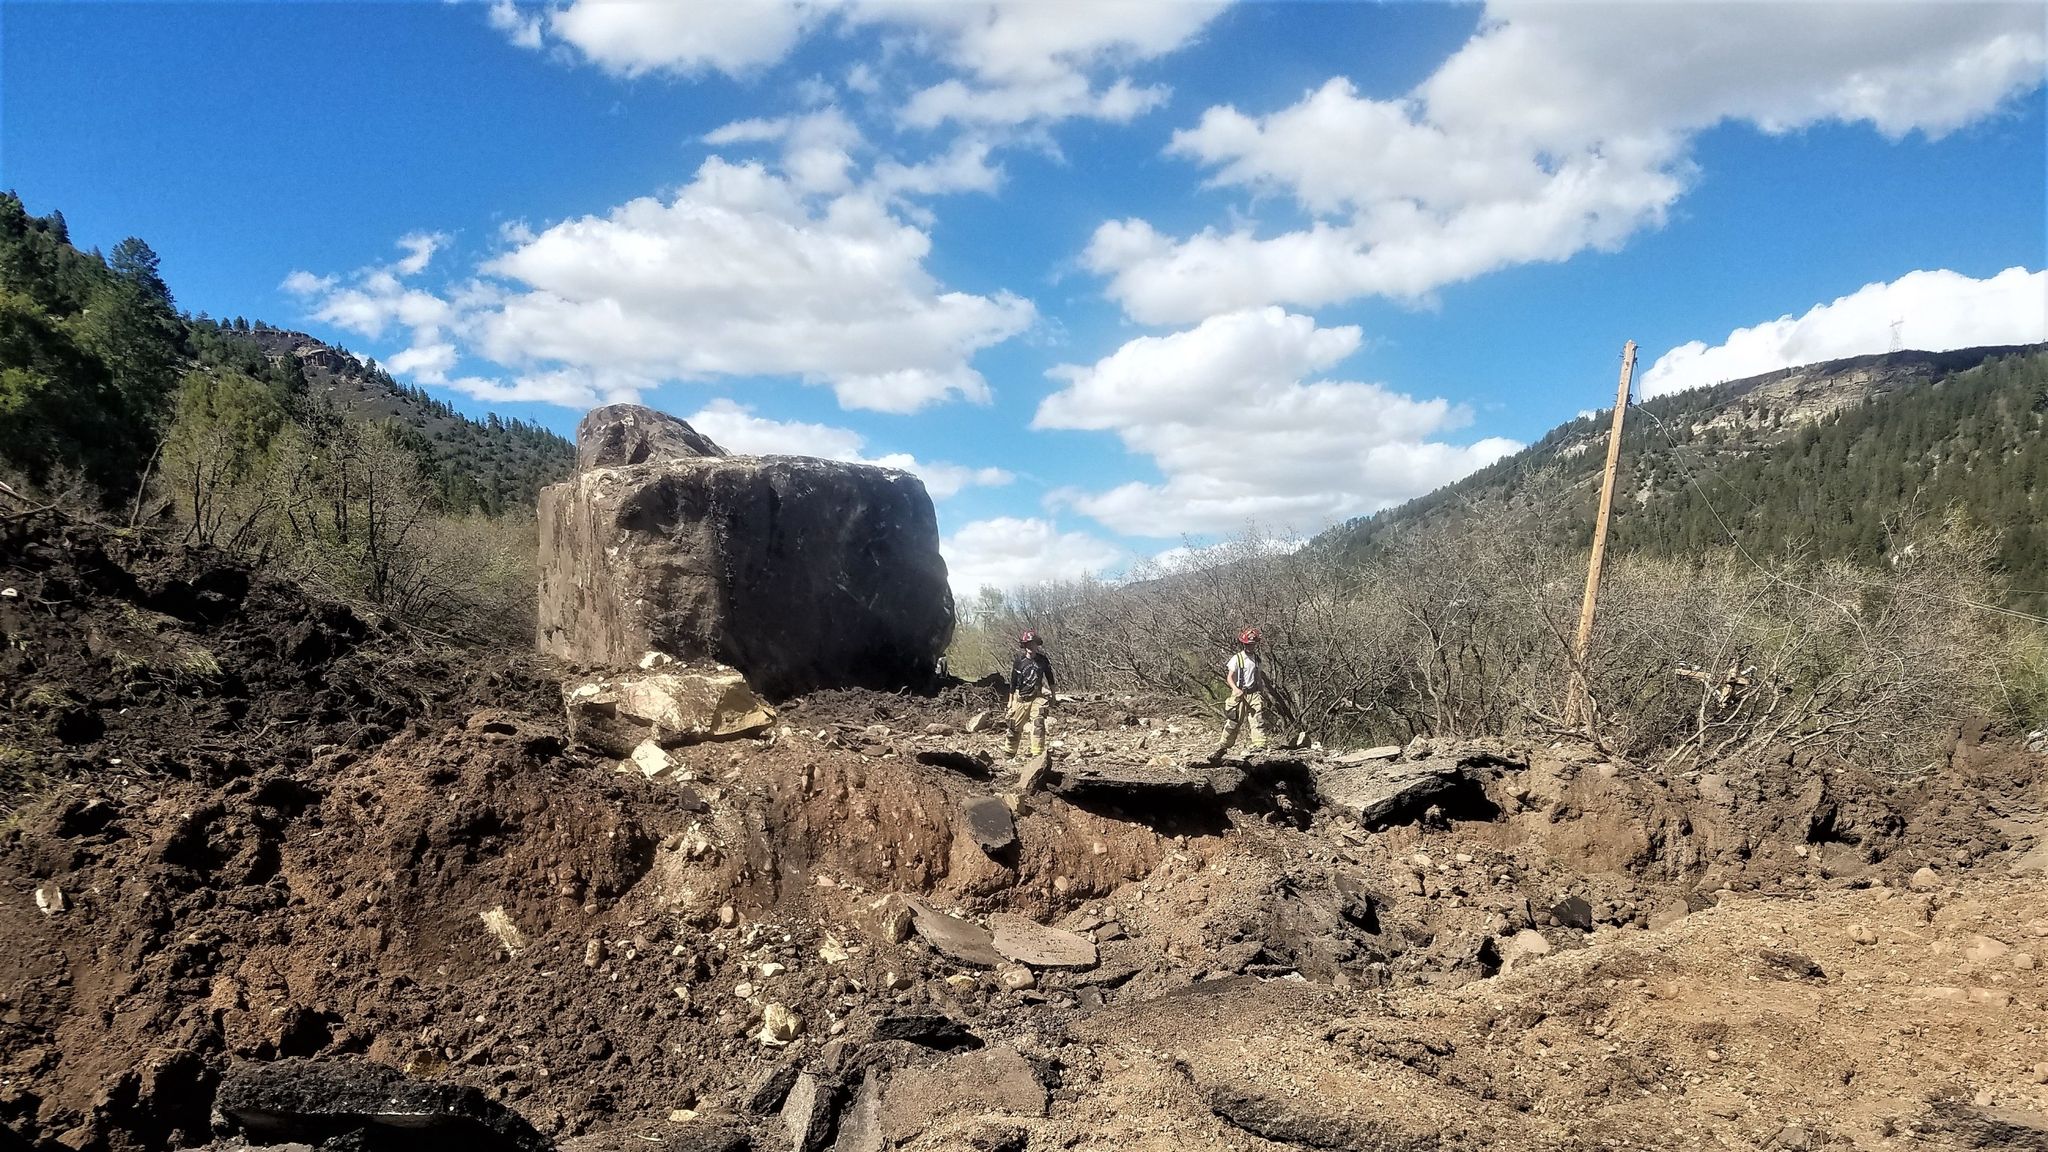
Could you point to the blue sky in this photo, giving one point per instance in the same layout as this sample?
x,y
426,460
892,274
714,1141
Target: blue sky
x,y
1109,275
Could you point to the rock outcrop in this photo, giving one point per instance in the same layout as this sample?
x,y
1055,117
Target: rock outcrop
x,y
801,573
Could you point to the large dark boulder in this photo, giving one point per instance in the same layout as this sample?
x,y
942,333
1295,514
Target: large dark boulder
x,y
629,434
801,573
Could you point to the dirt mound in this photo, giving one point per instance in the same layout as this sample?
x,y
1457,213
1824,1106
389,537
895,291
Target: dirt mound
x,y
328,838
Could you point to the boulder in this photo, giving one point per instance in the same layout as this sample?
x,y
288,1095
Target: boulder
x,y
800,573
990,823
960,940
619,713
355,1103
809,1111
619,434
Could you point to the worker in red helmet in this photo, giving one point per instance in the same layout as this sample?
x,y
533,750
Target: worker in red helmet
x,y
1031,690
1247,682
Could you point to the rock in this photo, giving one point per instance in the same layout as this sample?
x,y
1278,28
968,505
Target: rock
x,y
498,923
619,713
1924,880
1862,934
1523,946
779,1025
952,937
927,1030
1028,942
50,898
990,823
992,1080
2022,962
593,953
621,434
770,1089
350,1102
1573,912
2033,863
651,759
860,1125
808,1112
1381,793
976,722
1017,978
833,952
1984,949
1031,777
800,573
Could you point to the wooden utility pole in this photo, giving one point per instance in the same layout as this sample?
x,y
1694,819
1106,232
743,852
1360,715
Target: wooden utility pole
x,y
1578,706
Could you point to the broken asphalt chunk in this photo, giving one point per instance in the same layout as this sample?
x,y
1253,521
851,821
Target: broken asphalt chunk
x,y
348,1099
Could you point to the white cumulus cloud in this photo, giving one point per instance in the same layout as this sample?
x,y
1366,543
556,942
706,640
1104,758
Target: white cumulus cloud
x,y
1010,551
1019,62
1040,61
1935,311
737,428
1241,434
743,272
639,37
1557,128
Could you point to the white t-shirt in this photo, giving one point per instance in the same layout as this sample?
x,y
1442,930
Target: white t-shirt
x,y
1242,672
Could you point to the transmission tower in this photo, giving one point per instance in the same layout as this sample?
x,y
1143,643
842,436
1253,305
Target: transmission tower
x,y
1896,342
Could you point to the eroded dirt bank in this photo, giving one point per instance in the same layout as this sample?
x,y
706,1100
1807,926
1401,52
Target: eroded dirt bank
x,y
266,828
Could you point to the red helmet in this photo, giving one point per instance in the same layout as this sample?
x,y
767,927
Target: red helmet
x,y
1027,638
1248,636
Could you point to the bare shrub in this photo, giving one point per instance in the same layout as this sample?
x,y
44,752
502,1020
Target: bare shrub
x,y
1468,633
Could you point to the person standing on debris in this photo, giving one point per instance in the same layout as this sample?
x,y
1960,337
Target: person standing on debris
x,y
1247,694
1031,691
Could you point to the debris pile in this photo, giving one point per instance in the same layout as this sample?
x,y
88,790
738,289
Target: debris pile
x,y
343,890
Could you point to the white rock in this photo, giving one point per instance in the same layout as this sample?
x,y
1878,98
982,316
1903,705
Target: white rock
x,y
652,759
779,1025
498,923
50,898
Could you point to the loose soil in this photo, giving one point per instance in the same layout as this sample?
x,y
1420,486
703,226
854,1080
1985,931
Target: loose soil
x,y
245,824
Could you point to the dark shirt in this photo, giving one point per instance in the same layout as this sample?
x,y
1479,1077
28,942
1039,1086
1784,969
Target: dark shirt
x,y
1031,674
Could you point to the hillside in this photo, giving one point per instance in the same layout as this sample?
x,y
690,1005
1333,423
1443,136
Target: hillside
x,y
491,465
1819,459
96,360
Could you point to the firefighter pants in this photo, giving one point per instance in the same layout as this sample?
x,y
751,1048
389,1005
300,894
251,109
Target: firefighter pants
x,y
1252,704
1026,712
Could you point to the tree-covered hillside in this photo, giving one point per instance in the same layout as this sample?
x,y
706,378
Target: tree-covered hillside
x,y
243,437
1823,461
94,356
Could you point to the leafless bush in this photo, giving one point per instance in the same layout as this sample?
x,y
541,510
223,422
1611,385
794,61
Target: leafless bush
x,y
1469,633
